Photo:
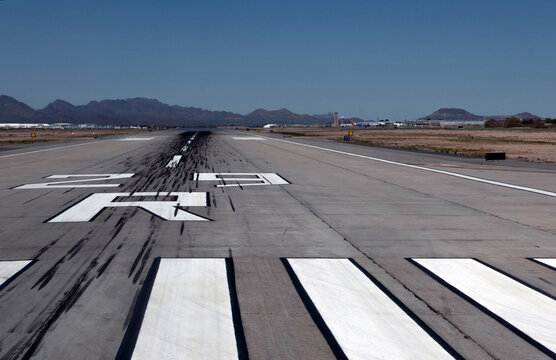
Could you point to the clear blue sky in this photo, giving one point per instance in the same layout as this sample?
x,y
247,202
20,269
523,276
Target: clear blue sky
x,y
393,59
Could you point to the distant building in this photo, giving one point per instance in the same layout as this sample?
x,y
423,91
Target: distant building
x,y
61,126
23,126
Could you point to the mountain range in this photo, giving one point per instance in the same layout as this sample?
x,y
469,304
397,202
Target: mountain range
x,y
451,114
144,111
141,111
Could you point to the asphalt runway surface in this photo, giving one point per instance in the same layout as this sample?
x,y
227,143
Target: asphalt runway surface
x,y
225,244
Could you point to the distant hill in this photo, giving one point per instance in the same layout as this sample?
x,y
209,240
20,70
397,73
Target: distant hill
x,y
12,110
452,114
134,111
520,116
142,111
280,117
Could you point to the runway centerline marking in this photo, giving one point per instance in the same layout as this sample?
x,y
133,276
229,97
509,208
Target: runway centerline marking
x,y
189,313
174,210
461,176
530,312
74,183
186,146
364,320
241,179
174,162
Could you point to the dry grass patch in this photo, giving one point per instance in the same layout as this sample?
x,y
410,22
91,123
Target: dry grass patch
x,y
23,136
536,145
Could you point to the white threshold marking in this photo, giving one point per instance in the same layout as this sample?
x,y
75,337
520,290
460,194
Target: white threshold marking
x,y
175,210
73,183
365,322
189,313
461,176
10,268
528,310
137,139
54,148
174,162
547,261
247,138
239,179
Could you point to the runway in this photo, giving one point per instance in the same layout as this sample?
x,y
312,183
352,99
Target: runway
x,y
227,244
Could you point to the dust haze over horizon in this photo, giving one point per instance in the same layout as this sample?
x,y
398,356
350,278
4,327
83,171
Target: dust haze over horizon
x,y
362,59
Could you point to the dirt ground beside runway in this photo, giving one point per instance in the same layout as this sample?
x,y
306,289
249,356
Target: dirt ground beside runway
x,y
23,136
534,145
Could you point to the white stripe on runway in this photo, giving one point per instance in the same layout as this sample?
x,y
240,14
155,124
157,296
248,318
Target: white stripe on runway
x,y
549,262
174,162
137,139
528,310
461,176
248,138
189,314
365,322
10,268
53,148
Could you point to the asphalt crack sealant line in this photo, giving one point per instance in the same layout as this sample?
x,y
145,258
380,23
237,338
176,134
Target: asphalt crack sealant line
x,y
461,176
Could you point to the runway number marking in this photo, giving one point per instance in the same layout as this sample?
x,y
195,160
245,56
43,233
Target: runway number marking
x,y
531,312
173,210
77,183
241,179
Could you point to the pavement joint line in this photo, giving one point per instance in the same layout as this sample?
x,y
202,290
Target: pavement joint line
x,y
54,148
461,176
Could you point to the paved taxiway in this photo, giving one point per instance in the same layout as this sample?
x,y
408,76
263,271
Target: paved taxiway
x,y
325,250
